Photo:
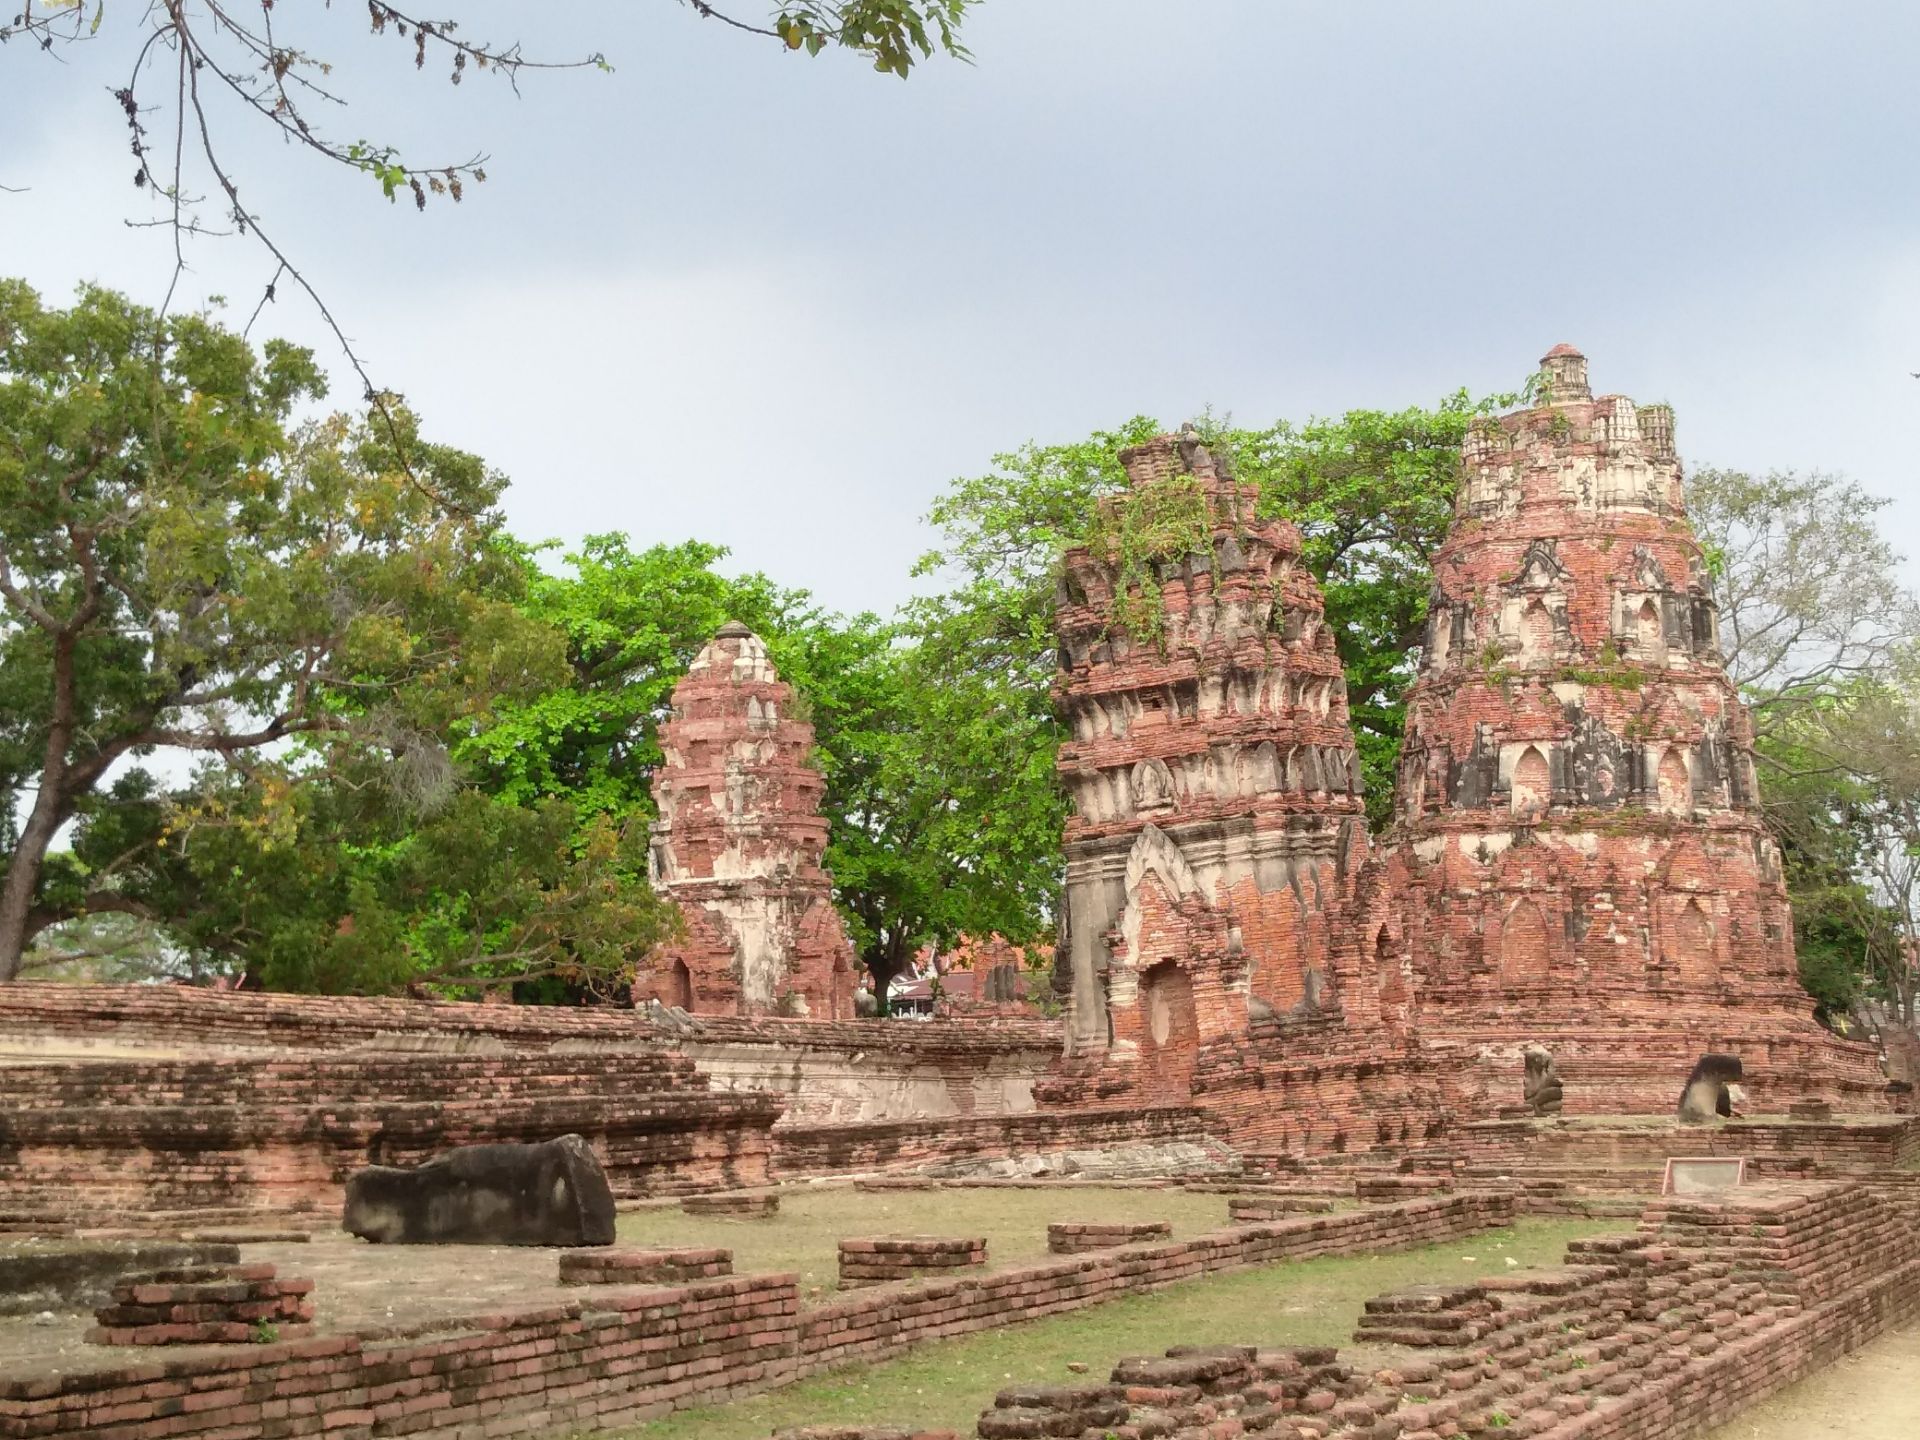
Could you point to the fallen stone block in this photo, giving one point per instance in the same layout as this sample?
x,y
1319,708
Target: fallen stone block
x,y
553,1193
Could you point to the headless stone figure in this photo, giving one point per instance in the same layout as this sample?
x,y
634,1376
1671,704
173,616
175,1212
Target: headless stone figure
x,y
1543,1089
1711,1090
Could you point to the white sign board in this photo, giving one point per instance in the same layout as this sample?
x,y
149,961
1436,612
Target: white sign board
x,y
1702,1174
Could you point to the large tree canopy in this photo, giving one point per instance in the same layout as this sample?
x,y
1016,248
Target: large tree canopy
x,y
179,571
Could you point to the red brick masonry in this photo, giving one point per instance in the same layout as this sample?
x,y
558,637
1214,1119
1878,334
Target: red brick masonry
x,y
204,1305
1073,1237
881,1258
751,1207
629,1356
738,847
643,1267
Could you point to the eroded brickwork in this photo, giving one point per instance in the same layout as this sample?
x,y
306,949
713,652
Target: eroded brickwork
x,y
738,846
1578,857
1217,821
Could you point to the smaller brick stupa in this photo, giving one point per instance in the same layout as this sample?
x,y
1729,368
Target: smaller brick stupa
x,y
738,847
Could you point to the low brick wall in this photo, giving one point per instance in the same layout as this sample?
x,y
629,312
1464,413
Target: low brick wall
x,y
204,1305
80,1275
1252,1209
759,1205
239,1131
825,1072
1073,1237
643,1267
878,1259
839,1149
624,1357
168,1016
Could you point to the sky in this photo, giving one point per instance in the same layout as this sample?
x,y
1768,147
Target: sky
x,y
730,293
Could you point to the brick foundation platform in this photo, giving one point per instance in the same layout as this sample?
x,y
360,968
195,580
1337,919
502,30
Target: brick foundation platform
x,y
880,1259
1372,1189
1631,1157
1072,1237
204,1305
761,1206
643,1267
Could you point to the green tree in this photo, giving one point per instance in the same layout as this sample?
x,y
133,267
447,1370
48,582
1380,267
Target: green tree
x,y
632,621
1821,815
180,572
943,818
1869,733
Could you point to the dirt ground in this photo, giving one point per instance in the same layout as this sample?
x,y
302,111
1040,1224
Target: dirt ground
x,y
1873,1394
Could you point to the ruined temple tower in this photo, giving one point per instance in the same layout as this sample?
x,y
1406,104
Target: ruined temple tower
x,y
1217,822
738,847
1577,855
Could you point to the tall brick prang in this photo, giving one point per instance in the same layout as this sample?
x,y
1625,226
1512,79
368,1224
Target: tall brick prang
x,y
1217,823
1578,856
738,847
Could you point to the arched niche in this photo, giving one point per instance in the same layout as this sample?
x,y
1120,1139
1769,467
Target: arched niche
x,y
1690,935
1674,784
1536,633
1523,943
1532,783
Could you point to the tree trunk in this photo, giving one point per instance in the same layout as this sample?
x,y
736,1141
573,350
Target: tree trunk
x,y
884,964
22,884
23,881
880,972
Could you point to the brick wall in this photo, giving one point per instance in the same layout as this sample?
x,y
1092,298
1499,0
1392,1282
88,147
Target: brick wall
x,y
837,1149
243,1131
632,1355
42,1013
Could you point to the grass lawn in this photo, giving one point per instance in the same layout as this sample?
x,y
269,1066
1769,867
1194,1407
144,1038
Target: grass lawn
x,y
805,1235
946,1384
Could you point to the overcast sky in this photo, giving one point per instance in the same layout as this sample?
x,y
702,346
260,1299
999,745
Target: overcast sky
x,y
730,293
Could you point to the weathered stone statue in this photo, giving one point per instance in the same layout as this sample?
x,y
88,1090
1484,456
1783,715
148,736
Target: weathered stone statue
x,y
1542,1086
553,1193
1711,1091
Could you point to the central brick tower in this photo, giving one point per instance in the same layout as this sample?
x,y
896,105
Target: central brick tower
x,y
1577,857
1217,826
